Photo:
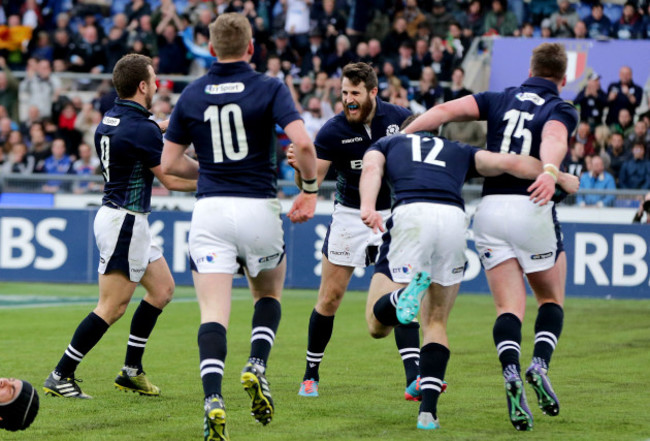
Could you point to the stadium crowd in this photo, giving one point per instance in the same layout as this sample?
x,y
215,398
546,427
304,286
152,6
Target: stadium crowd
x,y
416,47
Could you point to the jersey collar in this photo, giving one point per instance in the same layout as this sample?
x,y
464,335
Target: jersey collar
x,y
542,83
230,68
133,105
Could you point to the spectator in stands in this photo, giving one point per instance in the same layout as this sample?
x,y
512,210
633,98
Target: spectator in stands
x,y
116,47
635,172
640,133
67,130
408,67
421,52
591,101
645,23
58,163
340,57
135,10
5,129
86,123
442,61
574,163
413,16
644,206
39,147
457,42
395,37
316,49
330,22
87,164
172,53
527,30
623,124
396,92
8,91
62,47
40,88
457,88
583,134
470,132
624,94
629,26
580,31
500,20
142,30
41,46
617,154
376,55
563,20
18,160
597,179
473,23
439,19
545,28
284,51
274,68
296,23
429,92
121,22
164,14
598,25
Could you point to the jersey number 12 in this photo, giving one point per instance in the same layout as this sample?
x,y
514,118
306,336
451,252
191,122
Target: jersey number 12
x,y
416,150
220,128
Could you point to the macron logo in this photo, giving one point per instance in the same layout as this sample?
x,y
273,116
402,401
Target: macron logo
x,y
351,140
216,89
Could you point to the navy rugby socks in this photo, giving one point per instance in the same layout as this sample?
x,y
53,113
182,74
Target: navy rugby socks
x,y
507,339
320,332
266,320
212,352
88,333
143,322
548,327
433,363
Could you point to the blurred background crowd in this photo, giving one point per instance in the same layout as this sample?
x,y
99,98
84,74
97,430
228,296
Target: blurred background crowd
x,y
53,54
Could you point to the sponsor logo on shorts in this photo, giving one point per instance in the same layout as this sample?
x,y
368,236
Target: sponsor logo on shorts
x,y
102,260
210,258
268,258
405,269
351,140
458,270
487,253
137,270
392,129
542,256
216,89
339,253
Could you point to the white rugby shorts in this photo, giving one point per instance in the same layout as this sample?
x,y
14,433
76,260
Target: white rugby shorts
x,y
425,236
229,232
349,242
125,242
511,226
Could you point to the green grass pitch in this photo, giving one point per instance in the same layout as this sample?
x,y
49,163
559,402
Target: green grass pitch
x,y
600,372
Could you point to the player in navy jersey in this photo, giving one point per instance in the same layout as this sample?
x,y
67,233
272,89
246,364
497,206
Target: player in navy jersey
x,y
229,115
424,245
341,143
129,145
515,233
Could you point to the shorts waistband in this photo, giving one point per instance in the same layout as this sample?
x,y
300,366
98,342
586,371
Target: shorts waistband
x,y
114,206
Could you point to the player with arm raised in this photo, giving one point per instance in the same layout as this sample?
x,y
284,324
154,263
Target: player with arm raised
x,y
424,245
129,145
341,143
515,235
229,116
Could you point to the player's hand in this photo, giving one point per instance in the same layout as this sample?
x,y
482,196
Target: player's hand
x,y
569,183
303,207
543,189
291,157
372,219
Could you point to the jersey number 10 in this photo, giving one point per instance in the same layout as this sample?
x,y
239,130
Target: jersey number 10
x,y
220,128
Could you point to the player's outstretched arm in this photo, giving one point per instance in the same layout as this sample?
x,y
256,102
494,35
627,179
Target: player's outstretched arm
x,y
494,164
175,162
569,183
369,185
461,109
304,206
174,183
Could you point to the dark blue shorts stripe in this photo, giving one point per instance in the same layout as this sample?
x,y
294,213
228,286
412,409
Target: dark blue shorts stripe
x,y
558,233
382,261
119,261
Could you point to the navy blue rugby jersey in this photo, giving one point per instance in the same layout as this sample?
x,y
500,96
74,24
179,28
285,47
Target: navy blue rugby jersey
x,y
515,119
345,144
229,115
421,167
128,145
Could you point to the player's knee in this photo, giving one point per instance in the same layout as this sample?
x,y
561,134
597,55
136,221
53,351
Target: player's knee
x,y
328,305
377,330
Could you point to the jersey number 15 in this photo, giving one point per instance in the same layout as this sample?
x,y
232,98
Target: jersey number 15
x,y
515,129
220,127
